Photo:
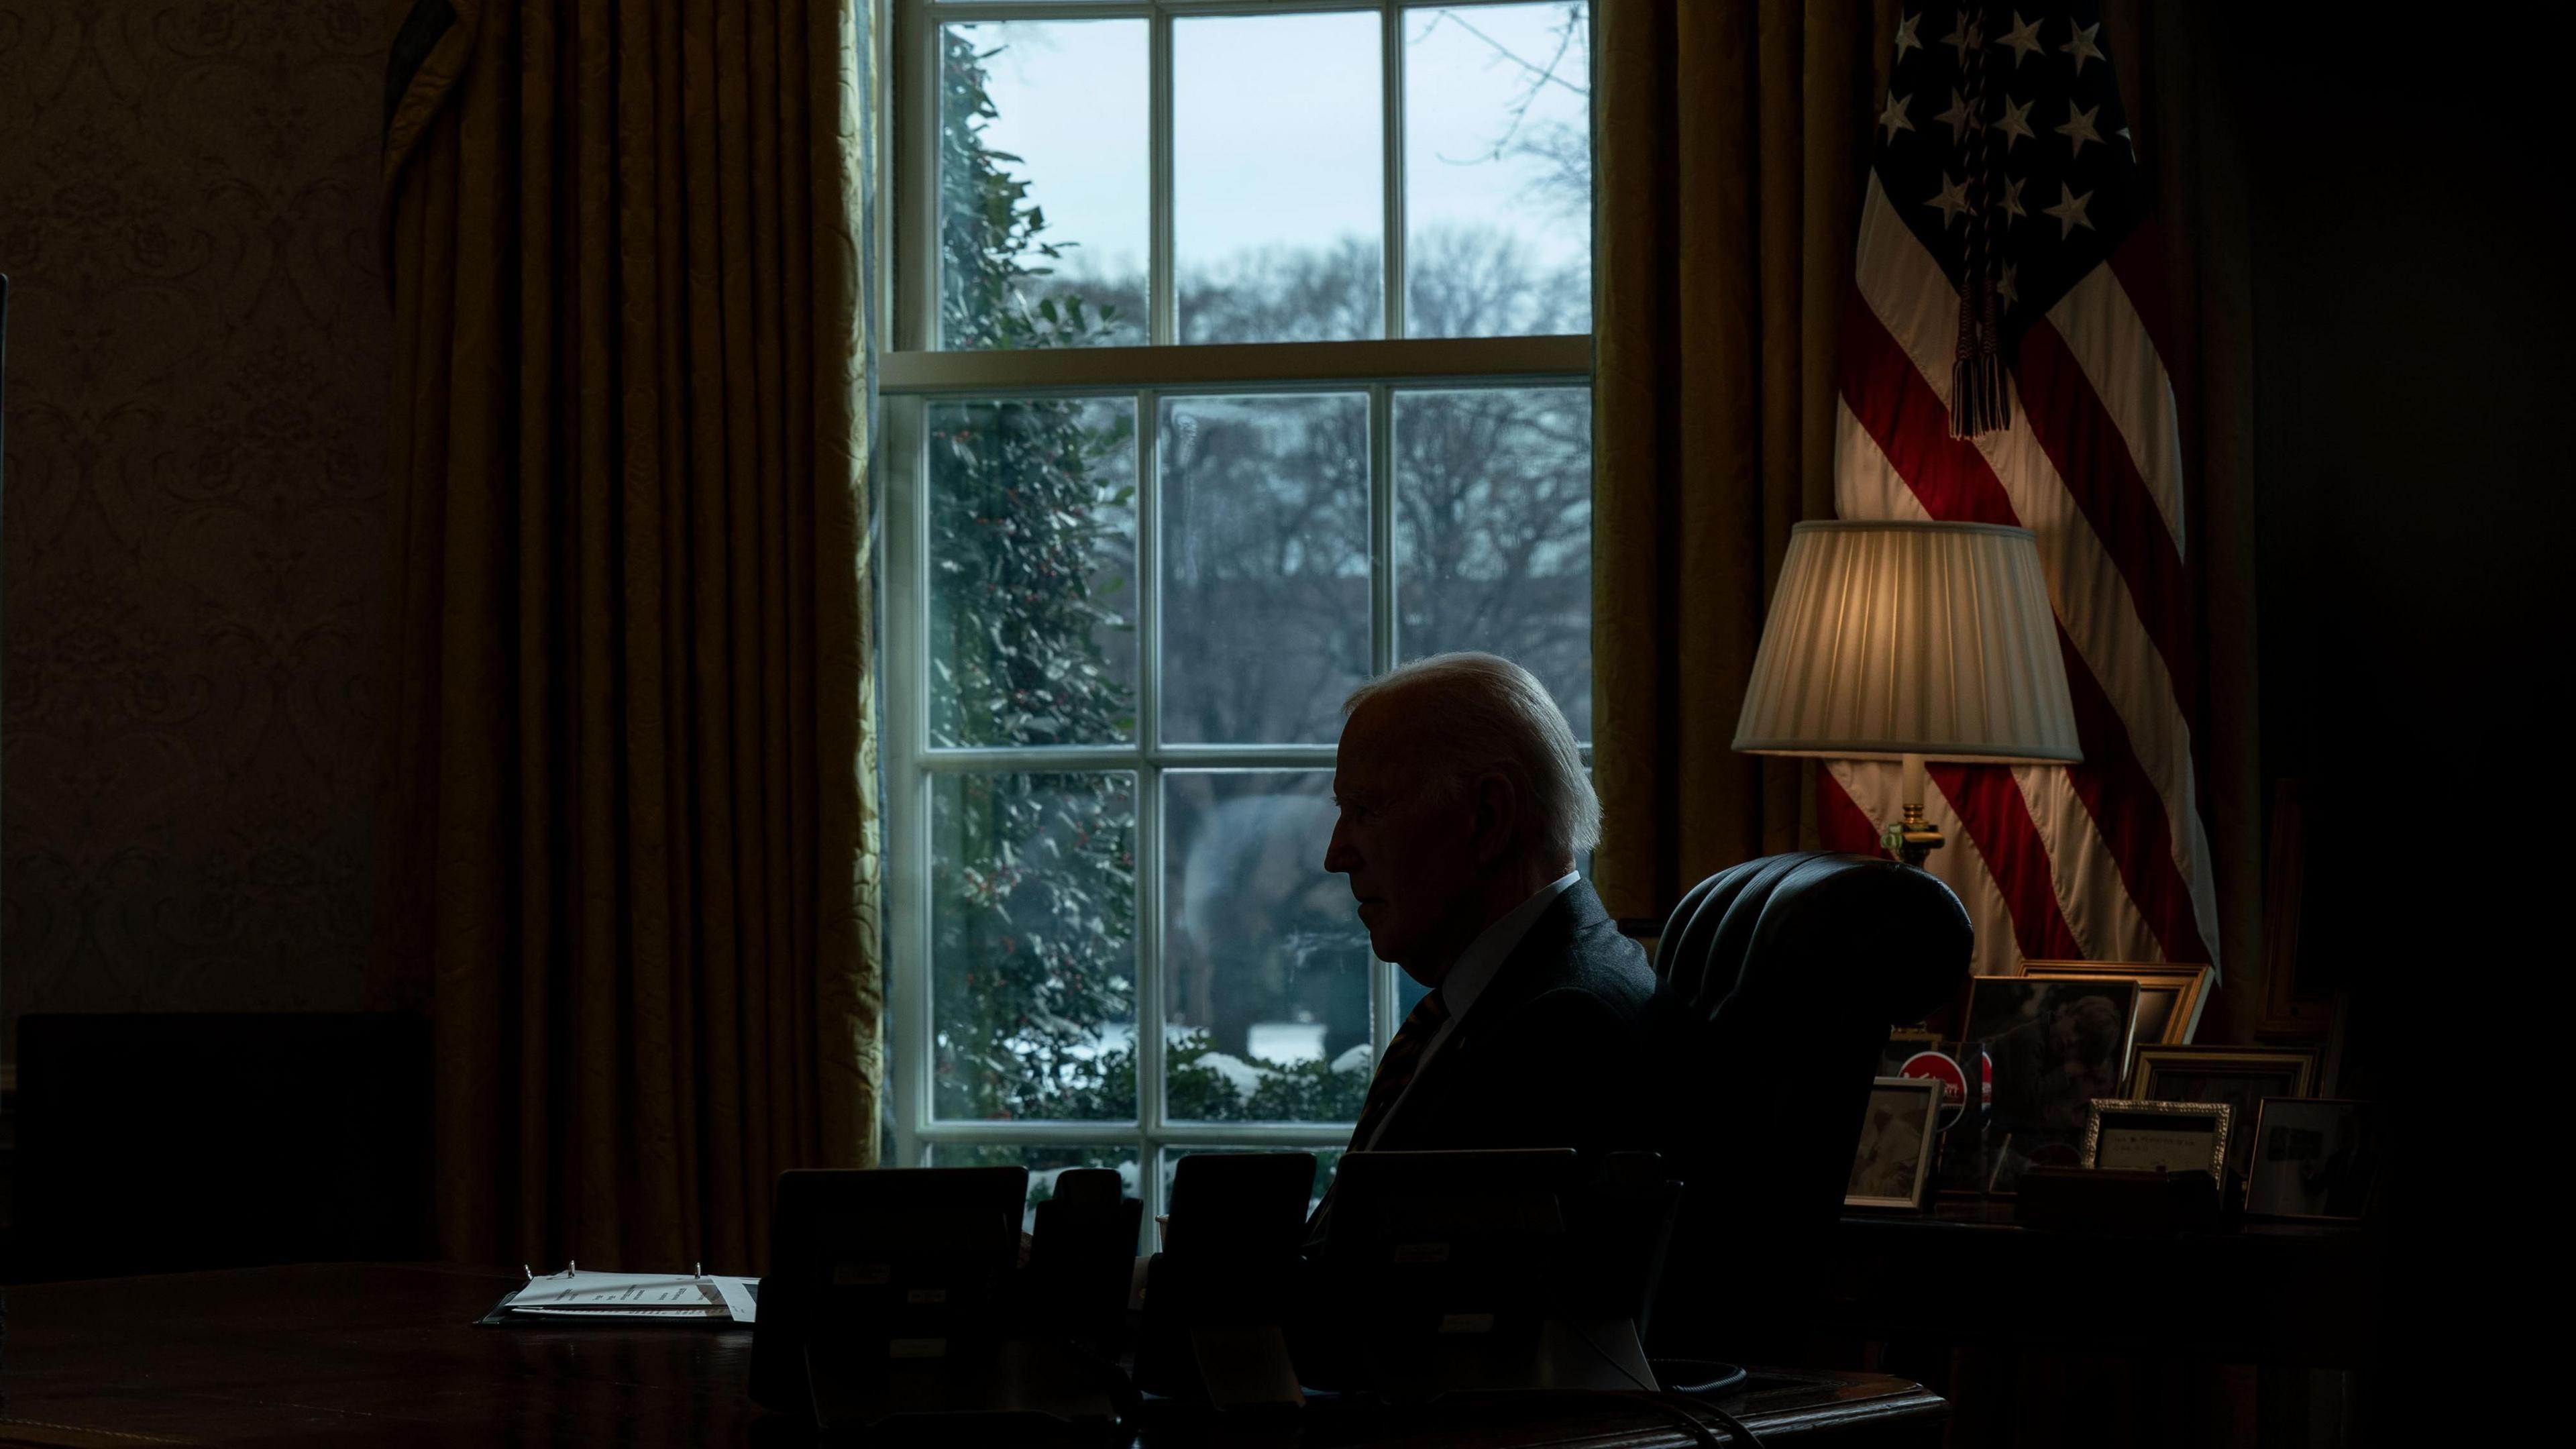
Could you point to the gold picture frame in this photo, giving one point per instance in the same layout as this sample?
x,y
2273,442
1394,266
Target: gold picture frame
x,y
2163,1136
2170,994
2244,1077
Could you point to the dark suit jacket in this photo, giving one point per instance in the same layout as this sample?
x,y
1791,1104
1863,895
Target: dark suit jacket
x,y
1554,1052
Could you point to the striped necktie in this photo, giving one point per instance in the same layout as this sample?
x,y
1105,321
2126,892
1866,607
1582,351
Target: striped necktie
x,y
1395,1069
1394,1074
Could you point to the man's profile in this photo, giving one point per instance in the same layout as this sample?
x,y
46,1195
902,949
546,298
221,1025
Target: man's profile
x,y
1463,803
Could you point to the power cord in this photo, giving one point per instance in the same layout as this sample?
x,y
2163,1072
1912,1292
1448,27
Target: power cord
x,y
1687,1411
1715,1377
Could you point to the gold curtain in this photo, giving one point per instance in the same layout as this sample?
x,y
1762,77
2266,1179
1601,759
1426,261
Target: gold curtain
x,y
1732,146
629,800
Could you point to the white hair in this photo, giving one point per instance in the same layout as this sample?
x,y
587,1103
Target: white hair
x,y
1479,714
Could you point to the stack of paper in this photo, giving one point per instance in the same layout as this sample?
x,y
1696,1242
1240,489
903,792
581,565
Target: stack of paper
x,y
624,1297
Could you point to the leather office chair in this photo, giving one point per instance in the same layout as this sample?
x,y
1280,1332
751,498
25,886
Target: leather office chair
x,y
1779,981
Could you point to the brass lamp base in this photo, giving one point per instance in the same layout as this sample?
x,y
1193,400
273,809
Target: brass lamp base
x,y
1913,838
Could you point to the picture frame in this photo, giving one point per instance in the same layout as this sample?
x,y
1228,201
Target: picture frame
x,y
2242,1077
2051,1047
2170,994
2158,1136
2315,1159
1892,1161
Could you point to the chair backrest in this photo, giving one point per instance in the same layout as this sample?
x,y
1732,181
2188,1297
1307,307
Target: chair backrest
x,y
1778,982
166,1143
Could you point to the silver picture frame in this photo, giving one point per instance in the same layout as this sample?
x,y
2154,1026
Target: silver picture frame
x,y
2164,1136
1899,1126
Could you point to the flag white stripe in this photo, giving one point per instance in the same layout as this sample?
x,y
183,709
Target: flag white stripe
x,y
1866,485
2082,870
2110,343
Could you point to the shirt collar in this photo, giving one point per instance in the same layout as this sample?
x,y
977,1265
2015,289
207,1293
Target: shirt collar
x,y
1484,956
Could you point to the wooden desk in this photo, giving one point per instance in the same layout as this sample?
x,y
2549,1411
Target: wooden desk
x,y
386,1355
2042,1335
2280,1294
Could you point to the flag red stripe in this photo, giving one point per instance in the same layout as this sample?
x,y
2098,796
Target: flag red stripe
x,y
2139,263
1910,424
2114,787
2130,814
1840,822
2077,433
1998,820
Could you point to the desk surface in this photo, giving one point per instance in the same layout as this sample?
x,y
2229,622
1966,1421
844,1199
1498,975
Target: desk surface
x,y
386,1355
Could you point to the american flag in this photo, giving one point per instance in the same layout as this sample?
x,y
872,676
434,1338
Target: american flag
x,y
2000,361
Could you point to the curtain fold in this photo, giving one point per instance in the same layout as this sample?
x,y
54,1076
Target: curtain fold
x,y
2187,76
628,809
1731,147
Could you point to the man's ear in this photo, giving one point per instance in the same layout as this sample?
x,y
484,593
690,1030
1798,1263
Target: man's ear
x,y
1497,824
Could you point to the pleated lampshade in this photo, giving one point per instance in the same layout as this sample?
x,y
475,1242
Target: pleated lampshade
x,y
1895,639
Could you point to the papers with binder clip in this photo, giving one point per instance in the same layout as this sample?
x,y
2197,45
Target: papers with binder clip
x,y
574,1296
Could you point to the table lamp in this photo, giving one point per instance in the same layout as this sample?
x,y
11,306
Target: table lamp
x,y
1913,642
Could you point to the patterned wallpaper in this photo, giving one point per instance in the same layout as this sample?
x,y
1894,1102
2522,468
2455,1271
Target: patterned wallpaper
x,y
194,500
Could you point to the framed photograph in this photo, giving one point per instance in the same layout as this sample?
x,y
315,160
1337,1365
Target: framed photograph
x,y
1893,1164
2159,1136
2169,996
2314,1157
2051,1048
2241,1077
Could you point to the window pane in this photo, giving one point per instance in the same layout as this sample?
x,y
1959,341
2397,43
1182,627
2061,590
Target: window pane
x,y
1265,965
1043,183
1326,1159
1494,531
1497,170
1278,204
1032,553
1265,565
1044,1164
1033,909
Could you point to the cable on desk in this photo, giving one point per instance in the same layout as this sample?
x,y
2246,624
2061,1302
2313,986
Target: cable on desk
x,y
1686,1410
1719,1377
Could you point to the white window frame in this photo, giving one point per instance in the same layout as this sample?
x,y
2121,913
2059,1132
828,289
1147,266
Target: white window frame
x,y
914,374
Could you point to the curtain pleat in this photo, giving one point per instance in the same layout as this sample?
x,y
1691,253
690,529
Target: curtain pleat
x,y
628,803
1731,147
2180,64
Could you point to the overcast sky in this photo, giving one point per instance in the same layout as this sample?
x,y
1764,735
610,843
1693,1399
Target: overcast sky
x,y
1275,128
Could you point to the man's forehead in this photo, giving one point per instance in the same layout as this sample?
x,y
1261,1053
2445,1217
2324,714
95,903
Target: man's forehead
x,y
1376,750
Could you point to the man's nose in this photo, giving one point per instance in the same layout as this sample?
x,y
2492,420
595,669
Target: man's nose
x,y
1339,858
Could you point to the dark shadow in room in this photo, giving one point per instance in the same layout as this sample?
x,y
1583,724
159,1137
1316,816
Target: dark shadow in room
x,y
168,1143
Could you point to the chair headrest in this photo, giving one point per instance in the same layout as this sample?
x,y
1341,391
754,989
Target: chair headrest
x,y
1864,934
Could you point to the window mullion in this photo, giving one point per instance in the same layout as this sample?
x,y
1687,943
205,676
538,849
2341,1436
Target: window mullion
x,y
906,719
1161,324
1383,641
1149,798
916,229
1391,163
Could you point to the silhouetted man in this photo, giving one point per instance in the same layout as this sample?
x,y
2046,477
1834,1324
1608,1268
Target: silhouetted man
x,y
1463,803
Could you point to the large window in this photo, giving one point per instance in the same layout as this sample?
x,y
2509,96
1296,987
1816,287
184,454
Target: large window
x,y
1243,352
